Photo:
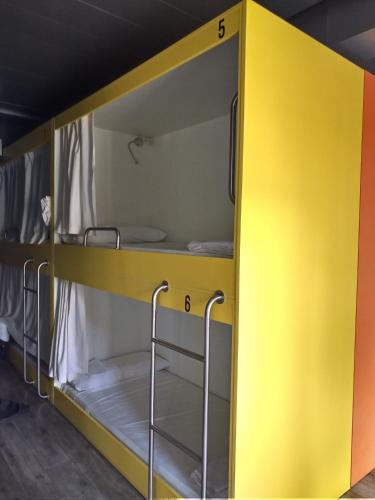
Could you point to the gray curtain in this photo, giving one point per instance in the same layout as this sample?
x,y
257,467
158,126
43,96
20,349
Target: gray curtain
x,y
12,191
23,182
33,229
75,211
11,308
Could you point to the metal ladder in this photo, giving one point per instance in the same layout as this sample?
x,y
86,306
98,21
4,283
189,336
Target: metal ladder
x,y
27,290
218,298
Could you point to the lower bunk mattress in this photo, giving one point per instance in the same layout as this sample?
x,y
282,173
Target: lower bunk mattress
x,y
124,409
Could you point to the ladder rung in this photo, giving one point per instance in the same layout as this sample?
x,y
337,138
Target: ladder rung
x,y
179,349
31,290
176,443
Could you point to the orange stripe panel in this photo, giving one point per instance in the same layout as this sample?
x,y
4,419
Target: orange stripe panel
x,y
363,448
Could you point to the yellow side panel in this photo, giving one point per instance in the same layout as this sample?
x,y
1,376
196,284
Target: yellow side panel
x,y
297,240
136,275
16,253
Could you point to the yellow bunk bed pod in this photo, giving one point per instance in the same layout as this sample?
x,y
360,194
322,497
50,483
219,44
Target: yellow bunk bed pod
x,y
300,113
136,274
296,263
133,273
15,253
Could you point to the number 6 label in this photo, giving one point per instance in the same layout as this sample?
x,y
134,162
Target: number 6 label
x,y
187,303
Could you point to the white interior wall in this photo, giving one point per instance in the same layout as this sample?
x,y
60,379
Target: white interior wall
x,y
179,186
122,188
118,325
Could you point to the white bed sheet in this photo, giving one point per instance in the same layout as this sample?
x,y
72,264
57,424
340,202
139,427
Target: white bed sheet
x,y
123,409
159,247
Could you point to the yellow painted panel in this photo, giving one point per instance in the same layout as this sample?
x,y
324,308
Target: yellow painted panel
x,y
33,140
16,254
297,240
198,42
121,457
15,358
137,274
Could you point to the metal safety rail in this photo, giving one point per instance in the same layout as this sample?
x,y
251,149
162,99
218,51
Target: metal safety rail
x,y
232,149
218,298
114,230
27,289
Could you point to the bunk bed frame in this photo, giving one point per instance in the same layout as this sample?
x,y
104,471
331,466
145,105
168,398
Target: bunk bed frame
x,y
249,278
189,276
134,273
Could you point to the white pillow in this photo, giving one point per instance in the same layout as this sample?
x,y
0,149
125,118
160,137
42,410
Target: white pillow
x,y
141,234
111,371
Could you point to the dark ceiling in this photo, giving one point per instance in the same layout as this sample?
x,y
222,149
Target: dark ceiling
x,y
55,52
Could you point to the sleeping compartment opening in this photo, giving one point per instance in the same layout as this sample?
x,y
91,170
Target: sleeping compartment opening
x,y
24,194
12,312
161,160
115,388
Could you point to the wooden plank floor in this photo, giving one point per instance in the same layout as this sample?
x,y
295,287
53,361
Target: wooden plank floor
x,y
43,457
364,488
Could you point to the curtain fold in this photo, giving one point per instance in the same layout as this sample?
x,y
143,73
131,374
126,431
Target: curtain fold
x,y
2,202
23,182
75,211
70,353
12,191
33,229
75,193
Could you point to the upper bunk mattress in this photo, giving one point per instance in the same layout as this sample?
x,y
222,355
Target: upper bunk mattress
x,y
158,247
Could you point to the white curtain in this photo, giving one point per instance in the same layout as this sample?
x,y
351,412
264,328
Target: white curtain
x,y
70,352
33,229
75,211
75,191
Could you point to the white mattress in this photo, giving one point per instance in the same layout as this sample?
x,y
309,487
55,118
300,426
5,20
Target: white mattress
x,y
159,247
123,410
